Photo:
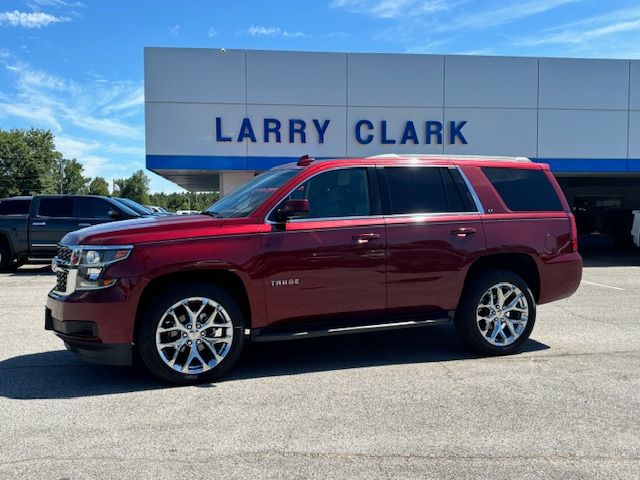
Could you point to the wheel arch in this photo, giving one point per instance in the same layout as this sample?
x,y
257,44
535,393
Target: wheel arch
x,y
521,264
225,279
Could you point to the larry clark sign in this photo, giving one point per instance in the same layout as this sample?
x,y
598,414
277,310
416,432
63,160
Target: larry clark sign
x,y
295,130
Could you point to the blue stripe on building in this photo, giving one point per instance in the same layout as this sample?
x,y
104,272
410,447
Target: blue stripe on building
x,y
227,163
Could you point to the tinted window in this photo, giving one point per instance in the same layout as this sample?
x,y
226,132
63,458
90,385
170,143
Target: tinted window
x,y
462,193
524,190
90,207
338,193
14,207
56,207
417,190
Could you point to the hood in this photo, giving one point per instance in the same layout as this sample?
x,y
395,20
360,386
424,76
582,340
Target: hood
x,y
149,229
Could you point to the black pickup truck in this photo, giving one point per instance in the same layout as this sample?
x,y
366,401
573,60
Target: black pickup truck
x,y
31,227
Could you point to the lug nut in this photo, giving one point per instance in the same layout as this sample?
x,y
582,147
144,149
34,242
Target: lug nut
x,y
188,325
199,341
184,334
189,342
197,325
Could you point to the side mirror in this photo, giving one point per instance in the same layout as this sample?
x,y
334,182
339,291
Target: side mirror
x,y
292,208
114,214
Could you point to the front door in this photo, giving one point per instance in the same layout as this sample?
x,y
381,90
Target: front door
x,y
331,262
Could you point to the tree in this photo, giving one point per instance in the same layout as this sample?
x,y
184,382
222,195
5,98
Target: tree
x,y
99,186
28,162
73,181
136,187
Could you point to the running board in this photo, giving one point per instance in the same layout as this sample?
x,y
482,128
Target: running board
x,y
293,333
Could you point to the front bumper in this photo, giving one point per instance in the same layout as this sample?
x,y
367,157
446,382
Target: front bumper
x,y
81,337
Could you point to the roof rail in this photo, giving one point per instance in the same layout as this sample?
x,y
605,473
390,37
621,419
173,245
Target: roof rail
x,y
492,158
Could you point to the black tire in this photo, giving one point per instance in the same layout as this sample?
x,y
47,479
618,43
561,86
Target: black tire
x,y
468,327
5,257
154,313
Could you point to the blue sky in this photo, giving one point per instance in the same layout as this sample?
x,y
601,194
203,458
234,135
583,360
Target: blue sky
x,y
75,67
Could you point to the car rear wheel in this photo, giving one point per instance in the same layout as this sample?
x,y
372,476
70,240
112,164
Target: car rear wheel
x,y
496,314
191,334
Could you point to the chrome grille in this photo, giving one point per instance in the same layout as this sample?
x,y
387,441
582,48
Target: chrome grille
x,y
61,281
64,254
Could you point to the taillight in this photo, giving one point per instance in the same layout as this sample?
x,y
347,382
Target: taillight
x,y
574,233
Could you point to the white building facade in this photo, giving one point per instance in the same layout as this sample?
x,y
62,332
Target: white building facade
x,y
215,117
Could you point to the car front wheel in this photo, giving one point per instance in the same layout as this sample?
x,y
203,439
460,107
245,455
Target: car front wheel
x,y
191,334
496,314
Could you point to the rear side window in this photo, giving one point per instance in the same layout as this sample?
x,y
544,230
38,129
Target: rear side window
x,y
14,207
90,207
524,190
56,207
427,190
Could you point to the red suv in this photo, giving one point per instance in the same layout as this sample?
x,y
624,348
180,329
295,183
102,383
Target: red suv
x,y
320,248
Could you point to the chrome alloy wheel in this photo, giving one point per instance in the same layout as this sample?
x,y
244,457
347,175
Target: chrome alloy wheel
x,y
502,314
194,335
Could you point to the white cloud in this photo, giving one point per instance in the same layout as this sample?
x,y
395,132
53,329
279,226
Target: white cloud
x,y
263,31
50,101
30,19
174,31
583,33
212,32
508,13
260,31
394,8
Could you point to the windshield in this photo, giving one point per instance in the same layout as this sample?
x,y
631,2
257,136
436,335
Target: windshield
x,y
135,206
245,199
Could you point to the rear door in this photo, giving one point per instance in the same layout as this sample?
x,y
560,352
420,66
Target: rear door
x,y
434,231
53,218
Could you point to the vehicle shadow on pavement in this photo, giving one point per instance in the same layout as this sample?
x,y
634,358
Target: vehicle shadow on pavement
x,y
60,374
421,345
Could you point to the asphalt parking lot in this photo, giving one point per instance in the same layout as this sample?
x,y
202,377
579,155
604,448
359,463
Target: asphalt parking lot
x,y
404,404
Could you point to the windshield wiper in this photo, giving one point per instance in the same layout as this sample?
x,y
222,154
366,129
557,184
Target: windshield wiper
x,y
212,214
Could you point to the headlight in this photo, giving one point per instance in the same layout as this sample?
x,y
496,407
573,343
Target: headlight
x,y
92,261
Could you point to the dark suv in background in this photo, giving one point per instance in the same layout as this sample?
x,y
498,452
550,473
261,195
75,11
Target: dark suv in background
x,y
31,227
322,248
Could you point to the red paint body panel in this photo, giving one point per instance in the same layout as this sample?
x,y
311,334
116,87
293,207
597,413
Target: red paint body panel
x,y
427,261
335,267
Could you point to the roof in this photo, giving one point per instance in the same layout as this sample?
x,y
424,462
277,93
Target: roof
x,y
426,159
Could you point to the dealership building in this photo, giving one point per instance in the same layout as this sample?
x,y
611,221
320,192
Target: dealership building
x,y
216,117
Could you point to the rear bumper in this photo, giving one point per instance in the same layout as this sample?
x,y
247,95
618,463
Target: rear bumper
x,y
560,277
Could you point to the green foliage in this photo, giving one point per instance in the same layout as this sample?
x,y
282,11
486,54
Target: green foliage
x,y
183,200
30,165
29,162
73,182
136,187
99,186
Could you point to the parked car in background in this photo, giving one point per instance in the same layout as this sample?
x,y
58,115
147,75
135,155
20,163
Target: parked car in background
x,y
635,229
322,248
142,210
157,209
187,212
31,227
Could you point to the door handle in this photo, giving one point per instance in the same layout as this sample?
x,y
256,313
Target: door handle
x,y
84,224
365,237
463,232
39,224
